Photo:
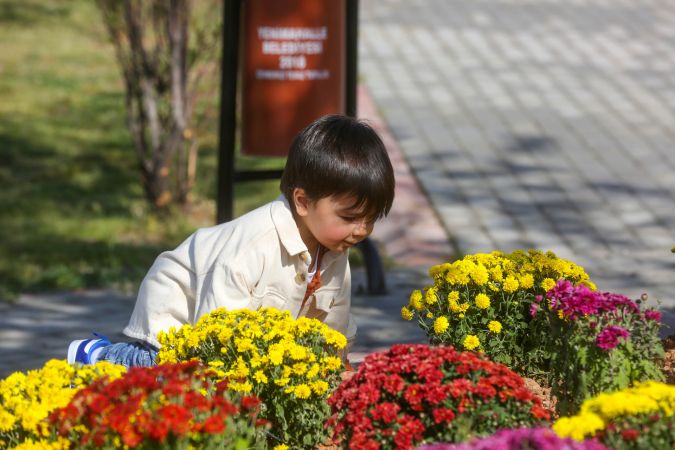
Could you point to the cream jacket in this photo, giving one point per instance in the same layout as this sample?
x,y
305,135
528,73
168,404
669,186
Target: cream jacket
x,y
257,260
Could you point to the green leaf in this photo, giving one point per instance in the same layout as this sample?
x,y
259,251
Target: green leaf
x,y
582,356
503,358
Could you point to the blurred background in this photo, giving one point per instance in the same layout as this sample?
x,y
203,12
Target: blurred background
x,y
513,124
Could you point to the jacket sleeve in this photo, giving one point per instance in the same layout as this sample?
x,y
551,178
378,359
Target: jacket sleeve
x,y
166,297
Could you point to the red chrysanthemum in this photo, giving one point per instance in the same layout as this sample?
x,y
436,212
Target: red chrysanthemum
x,y
147,405
403,396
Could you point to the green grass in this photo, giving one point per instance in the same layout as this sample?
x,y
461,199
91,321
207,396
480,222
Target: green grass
x,y
73,211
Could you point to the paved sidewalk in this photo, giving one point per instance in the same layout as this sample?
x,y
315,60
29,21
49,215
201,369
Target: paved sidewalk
x,y
545,124
40,326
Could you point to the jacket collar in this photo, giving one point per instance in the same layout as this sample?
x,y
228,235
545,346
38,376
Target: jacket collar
x,y
287,229
289,235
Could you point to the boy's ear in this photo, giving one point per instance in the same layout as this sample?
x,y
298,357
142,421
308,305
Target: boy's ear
x,y
301,202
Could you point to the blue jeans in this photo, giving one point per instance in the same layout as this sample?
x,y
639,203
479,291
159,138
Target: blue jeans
x,y
129,354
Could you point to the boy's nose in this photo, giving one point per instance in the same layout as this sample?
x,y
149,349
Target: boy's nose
x,y
362,229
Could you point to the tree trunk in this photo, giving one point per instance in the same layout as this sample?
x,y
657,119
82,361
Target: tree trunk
x,y
151,45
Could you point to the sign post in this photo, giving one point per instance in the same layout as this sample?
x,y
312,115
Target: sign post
x,y
293,70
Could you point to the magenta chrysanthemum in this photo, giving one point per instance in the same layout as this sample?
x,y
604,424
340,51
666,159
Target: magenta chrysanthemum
x,y
653,315
517,439
609,337
578,301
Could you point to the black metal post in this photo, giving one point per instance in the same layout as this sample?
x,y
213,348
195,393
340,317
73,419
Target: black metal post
x,y
352,56
228,109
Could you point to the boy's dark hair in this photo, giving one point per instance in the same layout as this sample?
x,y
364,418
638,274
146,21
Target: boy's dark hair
x,y
339,155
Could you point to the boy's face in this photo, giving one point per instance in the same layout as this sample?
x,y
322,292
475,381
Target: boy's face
x,y
332,221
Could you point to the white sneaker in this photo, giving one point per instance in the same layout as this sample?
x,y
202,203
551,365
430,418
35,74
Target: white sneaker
x,y
80,351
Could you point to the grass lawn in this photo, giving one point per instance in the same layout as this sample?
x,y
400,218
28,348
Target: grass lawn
x,y
73,211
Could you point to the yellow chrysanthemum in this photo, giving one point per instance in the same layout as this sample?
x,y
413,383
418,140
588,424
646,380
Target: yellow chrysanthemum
x,y
332,362
548,284
430,297
526,281
406,313
480,275
441,325
281,447
282,381
453,297
496,274
240,387
471,342
482,301
260,377
510,284
416,300
299,368
302,391
319,387
495,326
276,357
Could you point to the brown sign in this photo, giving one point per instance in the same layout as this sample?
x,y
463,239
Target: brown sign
x,y
293,69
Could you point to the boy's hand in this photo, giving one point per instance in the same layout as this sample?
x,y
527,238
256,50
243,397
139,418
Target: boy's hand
x,y
349,371
347,375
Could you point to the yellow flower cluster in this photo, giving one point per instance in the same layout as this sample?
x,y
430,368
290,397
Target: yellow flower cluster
x,y
43,444
479,294
500,272
27,399
596,413
291,365
259,351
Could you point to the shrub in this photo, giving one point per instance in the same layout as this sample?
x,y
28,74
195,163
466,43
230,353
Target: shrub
x,y
413,394
27,399
482,302
172,406
640,417
291,365
521,439
605,342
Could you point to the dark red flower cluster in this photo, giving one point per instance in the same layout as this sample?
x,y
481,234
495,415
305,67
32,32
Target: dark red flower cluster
x,y
419,393
149,406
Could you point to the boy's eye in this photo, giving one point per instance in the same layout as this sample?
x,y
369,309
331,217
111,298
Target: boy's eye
x,y
353,219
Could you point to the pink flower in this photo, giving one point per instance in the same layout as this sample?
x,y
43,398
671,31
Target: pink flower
x,y
533,309
652,314
609,337
581,301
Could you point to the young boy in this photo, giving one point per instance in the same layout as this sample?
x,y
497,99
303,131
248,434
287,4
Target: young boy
x,y
290,254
